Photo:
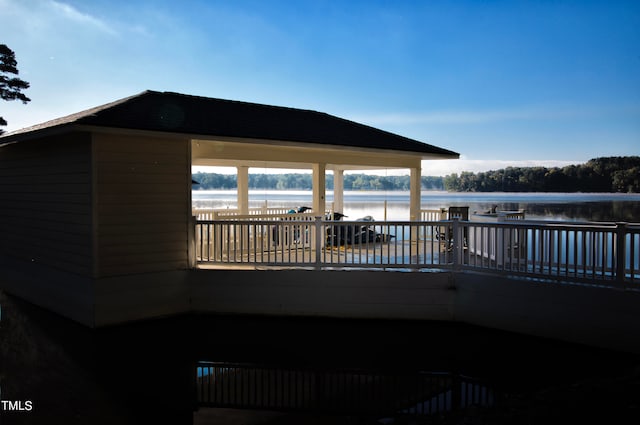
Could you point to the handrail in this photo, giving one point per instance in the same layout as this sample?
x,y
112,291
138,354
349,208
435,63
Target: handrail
x,y
596,253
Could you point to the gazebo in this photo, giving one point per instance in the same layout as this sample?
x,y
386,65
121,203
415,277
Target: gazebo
x,y
98,204
273,137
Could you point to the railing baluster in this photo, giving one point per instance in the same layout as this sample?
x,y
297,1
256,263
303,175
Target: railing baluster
x,y
594,255
603,250
577,254
485,255
633,264
586,236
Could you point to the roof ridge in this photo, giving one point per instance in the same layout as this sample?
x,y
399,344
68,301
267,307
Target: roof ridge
x,y
246,102
76,116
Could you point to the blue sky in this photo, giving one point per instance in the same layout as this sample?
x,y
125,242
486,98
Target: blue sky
x,y
501,82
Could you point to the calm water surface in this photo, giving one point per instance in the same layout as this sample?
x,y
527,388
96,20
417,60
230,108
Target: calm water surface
x,y
538,206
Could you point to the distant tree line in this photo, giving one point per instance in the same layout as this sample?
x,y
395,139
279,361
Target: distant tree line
x,y
609,174
296,181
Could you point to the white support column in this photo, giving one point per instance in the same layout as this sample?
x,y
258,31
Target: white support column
x,y
414,193
338,190
243,189
319,188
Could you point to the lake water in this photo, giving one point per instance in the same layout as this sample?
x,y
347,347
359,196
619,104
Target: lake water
x,y
538,206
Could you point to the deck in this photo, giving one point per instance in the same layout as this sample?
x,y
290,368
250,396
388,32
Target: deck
x,y
598,253
570,281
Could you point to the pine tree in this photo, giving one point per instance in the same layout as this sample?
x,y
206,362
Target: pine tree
x,y
10,86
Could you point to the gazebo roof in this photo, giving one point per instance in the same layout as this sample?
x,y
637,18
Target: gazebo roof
x,y
210,117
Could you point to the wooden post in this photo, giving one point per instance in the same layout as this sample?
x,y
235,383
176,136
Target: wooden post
x,y
319,188
414,194
191,248
338,190
243,189
457,249
414,201
621,235
319,241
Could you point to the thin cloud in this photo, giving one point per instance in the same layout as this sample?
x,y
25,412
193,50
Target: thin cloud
x,y
44,19
71,13
531,113
446,117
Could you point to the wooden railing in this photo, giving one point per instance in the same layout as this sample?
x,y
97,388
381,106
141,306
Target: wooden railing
x,y
322,243
586,252
434,214
220,213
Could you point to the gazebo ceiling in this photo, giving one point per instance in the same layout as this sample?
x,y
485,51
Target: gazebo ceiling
x,y
295,155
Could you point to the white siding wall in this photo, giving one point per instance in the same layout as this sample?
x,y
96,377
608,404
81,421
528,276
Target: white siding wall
x,y
142,204
45,202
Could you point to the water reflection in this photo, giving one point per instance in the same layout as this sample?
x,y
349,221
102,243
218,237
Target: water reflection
x,y
359,392
147,372
538,206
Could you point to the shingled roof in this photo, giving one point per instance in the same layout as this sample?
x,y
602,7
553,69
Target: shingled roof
x,y
210,117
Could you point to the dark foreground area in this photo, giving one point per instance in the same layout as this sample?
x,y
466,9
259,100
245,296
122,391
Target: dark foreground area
x,y
145,372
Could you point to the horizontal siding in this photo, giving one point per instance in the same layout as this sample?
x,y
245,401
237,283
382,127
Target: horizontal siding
x,y
142,205
45,202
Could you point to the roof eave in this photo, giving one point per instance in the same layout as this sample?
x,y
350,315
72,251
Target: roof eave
x,y
441,154
23,136
75,127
